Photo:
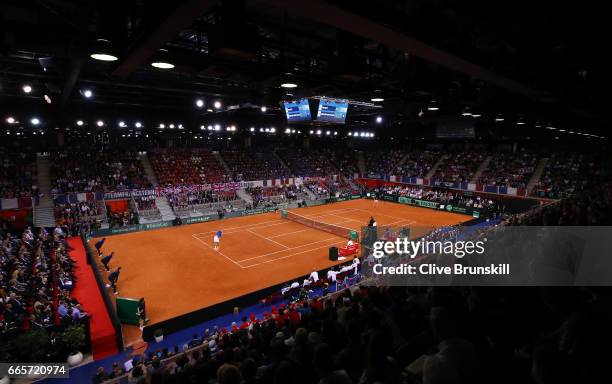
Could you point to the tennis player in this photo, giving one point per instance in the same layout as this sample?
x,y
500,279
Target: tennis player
x,y
217,239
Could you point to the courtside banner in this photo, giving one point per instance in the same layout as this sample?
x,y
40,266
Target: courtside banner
x,y
489,256
127,194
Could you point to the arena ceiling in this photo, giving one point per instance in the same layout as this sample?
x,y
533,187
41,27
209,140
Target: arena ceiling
x,y
535,62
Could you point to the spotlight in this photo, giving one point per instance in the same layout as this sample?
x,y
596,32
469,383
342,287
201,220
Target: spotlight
x,y
27,88
80,123
199,103
103,51
10,120
350,134
121,124
289,85
272,129
171,126
100,123
48,99
87,93
377,99
210,127
217,104
202,127
499,118
252,129
35,121
335,133
162,61
263,109
379,119
318,131
180,126
138,124
162,125
217,127
432,108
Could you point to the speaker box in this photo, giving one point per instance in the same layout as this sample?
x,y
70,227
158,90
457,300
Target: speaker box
x,y
333,253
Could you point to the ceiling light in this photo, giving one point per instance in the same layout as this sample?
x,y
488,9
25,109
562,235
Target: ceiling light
x,y
499,118
350,134
138,124
87,93
209,110
35,121
318,131
180,126
476,115
377,99
199,103
217,127
217,104
103,51
272,129
289,85
10,120
80,123
252,129
202,127
171,126
161,60
47,99
162,125
263,109
379,119
27,88
433,108
121,124
100,123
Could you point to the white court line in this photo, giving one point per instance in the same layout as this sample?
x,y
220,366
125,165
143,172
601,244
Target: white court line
x,y
219,252
382,214
265,238
288,249
293,254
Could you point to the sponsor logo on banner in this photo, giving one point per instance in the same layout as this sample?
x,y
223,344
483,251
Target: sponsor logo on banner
x,y
128,194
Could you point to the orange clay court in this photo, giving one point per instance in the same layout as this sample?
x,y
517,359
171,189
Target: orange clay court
x,y
177,270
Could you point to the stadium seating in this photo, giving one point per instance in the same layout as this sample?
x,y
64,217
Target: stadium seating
x,y
247,166
92,171
185,167
510,170
459,167
17,171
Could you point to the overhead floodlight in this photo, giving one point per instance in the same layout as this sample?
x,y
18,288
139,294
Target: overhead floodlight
x,y
217,104
100,123
27,88
10,120
199,103
103,51
162,60
289,85
377,99
35,121
122,124
379,119
264,108
138,124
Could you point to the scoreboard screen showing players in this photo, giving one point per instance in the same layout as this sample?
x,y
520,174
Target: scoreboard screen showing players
x,y
297,110
332,111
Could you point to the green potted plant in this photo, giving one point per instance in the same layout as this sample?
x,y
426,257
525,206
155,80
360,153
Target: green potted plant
x,y
74,338
158,335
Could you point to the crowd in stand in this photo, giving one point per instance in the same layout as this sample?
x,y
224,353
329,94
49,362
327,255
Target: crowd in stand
x,y
118,219
145,203
416,164
317,187
249,166
92,171
394,335
312,162
187,167
266,196
510,170
36,277
187,197
382,162
17,171
439,196
459,167
344,160
84,216
565,174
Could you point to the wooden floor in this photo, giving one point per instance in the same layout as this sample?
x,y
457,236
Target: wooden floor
x,y
177,271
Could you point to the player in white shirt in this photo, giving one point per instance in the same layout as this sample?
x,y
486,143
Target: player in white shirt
x,y
314,276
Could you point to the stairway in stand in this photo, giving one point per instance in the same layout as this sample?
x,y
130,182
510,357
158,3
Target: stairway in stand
x,y
146,165
165,209
43,212
537,174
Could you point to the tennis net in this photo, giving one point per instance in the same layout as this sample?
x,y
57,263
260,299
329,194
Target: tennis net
x,y
331,228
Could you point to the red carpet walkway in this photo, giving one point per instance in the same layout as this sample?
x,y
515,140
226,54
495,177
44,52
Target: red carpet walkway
x,y
103,341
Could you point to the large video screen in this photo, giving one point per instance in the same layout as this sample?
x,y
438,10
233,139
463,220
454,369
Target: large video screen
x,y
333,111
297,110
